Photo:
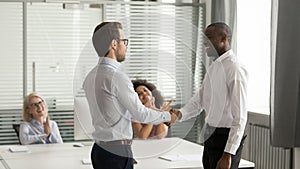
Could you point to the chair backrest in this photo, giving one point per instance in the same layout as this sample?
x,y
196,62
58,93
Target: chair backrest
x,y
16,127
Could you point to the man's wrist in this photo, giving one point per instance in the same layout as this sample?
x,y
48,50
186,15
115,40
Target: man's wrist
x,y
178,114
226,155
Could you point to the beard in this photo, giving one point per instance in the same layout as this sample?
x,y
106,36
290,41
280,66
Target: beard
x,y
211,52
120,58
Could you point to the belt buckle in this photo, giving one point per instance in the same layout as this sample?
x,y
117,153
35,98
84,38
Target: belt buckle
x,y
116,142
126,142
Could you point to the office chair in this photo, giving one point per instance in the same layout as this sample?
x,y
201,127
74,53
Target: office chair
x,y
16,127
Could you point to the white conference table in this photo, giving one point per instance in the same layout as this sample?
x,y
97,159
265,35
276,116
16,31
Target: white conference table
x,y
146,152
2,166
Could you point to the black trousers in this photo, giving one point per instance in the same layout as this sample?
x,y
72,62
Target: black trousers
x,y
214,148
112,157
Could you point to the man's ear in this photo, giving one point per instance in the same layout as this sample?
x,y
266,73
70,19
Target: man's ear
x,y
114,43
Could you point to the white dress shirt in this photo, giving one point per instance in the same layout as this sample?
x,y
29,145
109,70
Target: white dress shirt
x,y
223,97
31,132
114,103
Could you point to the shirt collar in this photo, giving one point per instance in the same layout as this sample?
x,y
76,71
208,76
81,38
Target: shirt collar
x,y
34,122
225,55
109,61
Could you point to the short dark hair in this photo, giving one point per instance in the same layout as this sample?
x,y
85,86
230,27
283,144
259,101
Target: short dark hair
x,y
104,33
159,100
224,28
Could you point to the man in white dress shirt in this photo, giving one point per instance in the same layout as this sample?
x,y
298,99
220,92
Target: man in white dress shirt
x,y
113,102
223,97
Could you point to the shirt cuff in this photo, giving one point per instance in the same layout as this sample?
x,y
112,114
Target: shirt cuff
x,y
231,148
167,117
181,118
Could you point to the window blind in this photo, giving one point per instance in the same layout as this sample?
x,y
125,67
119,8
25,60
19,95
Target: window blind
x,y
56,35
11,54
162,45
163,49
56,38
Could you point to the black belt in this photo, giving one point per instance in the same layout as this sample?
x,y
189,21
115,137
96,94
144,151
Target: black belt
x,y
221,130
115,142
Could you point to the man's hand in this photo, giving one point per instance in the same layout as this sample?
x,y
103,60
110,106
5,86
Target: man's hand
x,y
224,162
174,116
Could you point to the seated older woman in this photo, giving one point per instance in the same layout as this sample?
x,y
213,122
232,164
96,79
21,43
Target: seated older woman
x,y
151,98
37,128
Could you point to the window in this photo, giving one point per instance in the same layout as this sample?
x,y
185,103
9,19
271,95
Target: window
x,y
40,55
11,47
56,37
11,68
162,45
48,53
163,48
253,47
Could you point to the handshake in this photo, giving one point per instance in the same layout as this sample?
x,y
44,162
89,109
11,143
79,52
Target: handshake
x,y
175,114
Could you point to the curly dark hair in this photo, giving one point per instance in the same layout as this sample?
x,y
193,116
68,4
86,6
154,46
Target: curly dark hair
x,y
159,100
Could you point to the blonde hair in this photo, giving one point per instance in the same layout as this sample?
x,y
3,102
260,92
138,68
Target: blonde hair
x,y
26,105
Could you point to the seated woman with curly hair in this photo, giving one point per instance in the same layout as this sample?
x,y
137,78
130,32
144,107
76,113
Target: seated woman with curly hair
x,y
151,98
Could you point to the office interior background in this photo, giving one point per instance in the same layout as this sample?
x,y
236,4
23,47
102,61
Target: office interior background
x,y
45,46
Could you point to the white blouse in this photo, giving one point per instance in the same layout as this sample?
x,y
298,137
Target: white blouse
x,y
31,132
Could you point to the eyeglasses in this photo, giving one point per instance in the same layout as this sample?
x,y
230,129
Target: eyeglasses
x,y
126,41
37,104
